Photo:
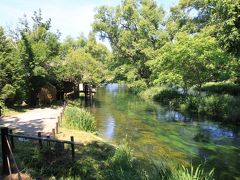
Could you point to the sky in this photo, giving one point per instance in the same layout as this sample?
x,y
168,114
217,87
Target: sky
x,y
70,17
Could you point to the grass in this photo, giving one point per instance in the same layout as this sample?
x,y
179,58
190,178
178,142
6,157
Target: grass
x,y
18,109
221,88
77,118
96,160
222,106
15,110
225,107
79,136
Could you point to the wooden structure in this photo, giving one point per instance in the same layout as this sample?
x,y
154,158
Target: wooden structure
x,y
7,138
88,90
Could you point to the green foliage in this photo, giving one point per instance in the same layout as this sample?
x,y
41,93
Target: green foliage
x,y
8,91
167,94
161,94
133,29
222,106
122,164
191,173
97,160
203,62
79,66
221,88
82,60
11,83
221,15
78,118
37,47
149,93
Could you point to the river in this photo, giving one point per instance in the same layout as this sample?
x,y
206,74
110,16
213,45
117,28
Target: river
x,y
155,132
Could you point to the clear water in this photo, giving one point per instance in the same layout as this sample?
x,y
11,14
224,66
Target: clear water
x,y
154,131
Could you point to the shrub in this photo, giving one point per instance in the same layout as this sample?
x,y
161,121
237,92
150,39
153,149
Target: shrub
x,y
222,88
150,93
78,118
221,106
190,104
161,94
137,86
167,94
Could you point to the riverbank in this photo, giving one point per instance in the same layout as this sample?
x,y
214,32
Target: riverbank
x,y
95,159
218,101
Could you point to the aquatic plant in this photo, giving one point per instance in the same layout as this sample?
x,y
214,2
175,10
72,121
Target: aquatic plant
x,y
190,173
78,118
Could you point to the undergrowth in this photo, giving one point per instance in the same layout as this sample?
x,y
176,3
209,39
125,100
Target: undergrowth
x,y
78,118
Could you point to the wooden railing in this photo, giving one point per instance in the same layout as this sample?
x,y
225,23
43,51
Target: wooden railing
x,y
7,154
8,147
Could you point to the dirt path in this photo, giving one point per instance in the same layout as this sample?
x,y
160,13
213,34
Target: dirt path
x,y
33,121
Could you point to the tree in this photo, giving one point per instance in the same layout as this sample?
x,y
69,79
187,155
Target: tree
x,y
190,60
79,66
223,15
11,82
37,48
134,30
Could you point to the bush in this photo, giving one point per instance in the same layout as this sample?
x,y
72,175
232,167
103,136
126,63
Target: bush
x,y
167,94
190,104
221,106
161,94
150,93
137,86
222,88
78,118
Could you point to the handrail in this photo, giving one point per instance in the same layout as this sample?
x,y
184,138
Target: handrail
x,y
45,139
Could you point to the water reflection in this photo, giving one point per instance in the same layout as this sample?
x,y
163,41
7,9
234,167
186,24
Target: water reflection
x,y
155,131
109,125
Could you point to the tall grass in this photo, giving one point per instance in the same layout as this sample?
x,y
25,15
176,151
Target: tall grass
x,y
225,107
78,118
123,166
193,174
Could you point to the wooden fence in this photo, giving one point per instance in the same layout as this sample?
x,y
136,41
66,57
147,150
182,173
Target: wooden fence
x,y
8,145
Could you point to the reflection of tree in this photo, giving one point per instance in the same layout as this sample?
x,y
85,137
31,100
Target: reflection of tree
x,y
202,136
218,148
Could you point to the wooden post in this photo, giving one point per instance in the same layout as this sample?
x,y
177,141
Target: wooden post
x,y
5,151
40,141
73,148
61,117
11,139
53,133
57,128
48,142
0,111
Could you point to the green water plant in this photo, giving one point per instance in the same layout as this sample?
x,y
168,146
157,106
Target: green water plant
x,y
193,174
78,118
